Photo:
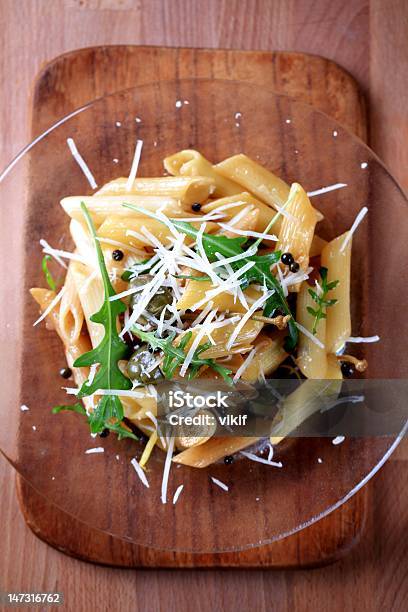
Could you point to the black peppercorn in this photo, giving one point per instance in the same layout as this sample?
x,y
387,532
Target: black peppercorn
x,y
104,433
196,207
294,267
228,460
347,369
117,255
287,259
66,372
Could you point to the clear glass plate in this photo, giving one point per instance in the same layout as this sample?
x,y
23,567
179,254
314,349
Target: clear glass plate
x,y
298,143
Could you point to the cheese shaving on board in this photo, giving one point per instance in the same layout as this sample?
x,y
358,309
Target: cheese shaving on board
x,y
257,459
135,165
326,189
177,493
140,472
219,483
353,228
166,470
81,163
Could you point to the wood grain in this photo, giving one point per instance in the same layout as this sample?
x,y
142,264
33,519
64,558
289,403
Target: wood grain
x,y
374,576
69,82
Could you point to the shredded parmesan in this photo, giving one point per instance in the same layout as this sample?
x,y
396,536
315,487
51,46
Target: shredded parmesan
x,y
139,471
91,451
361,339
135,164
257,459
122,245
248,233
247,316
24,408
166,470
326,189
353,228
45,245
244,365
177,493
206,328
338,440
81,163
219,483
309,335
50,306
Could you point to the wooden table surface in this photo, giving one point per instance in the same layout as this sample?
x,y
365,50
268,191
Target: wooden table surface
x,y
368,38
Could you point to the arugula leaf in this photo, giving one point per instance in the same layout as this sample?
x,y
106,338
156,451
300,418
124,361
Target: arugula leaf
x,y
78,407
48,276
107,353
174,356
321,300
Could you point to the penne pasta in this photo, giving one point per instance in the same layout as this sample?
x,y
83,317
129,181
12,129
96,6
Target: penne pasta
x,y
215,449
103,206
297,229
192,163
225,206
312,358
196,291
268,357
184,188
90,292
255,178
338,263
70,316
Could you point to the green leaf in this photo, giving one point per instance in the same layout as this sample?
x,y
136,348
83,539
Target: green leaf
x,y
321,300
78,407
174,356
48,276
107,354
122,432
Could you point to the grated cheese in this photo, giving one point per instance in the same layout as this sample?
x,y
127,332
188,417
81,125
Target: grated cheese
x,y
135,164
50,306
248,233
219,483
257,459
361,339
309,335
200,335
122,245
24,408
244,365
45,245
92,451
353,228
247,316
139,471
166,470
326,189
338,440
177,493
81,163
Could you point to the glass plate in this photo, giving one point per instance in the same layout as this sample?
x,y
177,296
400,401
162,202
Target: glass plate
x,y
102,490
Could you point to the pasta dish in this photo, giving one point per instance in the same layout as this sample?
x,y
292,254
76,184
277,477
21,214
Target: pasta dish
x,y
214,272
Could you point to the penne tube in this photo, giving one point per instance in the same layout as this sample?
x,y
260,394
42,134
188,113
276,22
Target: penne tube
x,y
265,216
91,293
119,229
191,163
187,189
213,450
317,246
196,291
101,207
297,229
338,263
70,316
221,335
308,398
311,358
73,348
268,357
255,178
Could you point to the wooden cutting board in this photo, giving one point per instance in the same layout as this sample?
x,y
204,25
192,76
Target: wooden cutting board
x,y
77,77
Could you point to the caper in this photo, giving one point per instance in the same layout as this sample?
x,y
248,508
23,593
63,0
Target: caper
x,y
160,300
141,366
